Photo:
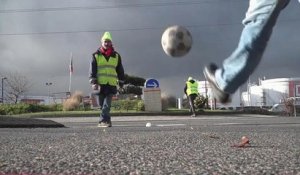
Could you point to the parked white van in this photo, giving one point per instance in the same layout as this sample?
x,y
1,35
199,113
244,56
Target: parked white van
x,y
282,108
278,108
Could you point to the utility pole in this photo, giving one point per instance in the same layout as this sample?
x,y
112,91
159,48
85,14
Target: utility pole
x,y
71,72
206,96
48,84
2,89
295,110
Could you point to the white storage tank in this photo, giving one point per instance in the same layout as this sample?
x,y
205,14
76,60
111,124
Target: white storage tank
x,y
271,91
205,89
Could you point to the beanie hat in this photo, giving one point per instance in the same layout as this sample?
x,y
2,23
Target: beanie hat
x,y
190,78
106,36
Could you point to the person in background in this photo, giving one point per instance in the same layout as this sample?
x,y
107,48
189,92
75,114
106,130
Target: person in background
x,y
106,73
260,19
191,91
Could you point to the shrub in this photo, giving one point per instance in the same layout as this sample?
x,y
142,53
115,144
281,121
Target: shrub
x,y
20,108
137,105
73,102
55,107
140,106
200,102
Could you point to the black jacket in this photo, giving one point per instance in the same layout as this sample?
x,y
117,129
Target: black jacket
x,y
106,89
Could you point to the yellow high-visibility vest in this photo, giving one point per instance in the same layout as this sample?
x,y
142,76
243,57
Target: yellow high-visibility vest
x,y
106,70
192,88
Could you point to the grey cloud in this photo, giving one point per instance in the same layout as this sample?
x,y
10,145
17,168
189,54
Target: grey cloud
x,y
215,26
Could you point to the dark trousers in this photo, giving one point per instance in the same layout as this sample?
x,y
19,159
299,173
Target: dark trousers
x,y
192,98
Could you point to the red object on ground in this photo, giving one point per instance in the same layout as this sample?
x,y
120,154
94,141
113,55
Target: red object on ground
x,y
244,142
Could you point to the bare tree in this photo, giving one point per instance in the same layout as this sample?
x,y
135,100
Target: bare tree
x,y
288,105
16,85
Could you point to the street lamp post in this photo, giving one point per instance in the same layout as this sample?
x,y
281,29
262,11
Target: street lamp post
x,y
2,89
48,84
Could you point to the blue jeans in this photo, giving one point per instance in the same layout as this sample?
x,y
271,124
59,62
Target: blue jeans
x,y
258,25
105,104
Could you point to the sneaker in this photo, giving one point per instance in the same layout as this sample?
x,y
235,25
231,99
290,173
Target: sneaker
x,y
104,124
220,95
109,124
194,115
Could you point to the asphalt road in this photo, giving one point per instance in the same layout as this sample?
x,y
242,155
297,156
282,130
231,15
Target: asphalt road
x,y
172,145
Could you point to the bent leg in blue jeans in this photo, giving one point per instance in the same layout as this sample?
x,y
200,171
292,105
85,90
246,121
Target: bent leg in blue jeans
x,y
258,25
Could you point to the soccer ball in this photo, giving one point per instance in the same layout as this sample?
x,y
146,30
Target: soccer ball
x,y
176,41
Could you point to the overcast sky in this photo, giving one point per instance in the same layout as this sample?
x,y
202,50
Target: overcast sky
x,y
38,36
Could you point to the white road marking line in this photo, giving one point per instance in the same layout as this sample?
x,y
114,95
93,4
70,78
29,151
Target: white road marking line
x,y
229,123
158,125
125,125
270,124
177,124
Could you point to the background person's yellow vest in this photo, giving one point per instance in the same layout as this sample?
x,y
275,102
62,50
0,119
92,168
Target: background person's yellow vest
x,y
106,70
192,88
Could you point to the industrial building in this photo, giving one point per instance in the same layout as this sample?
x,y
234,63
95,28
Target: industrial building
x,y
269,92
266,93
